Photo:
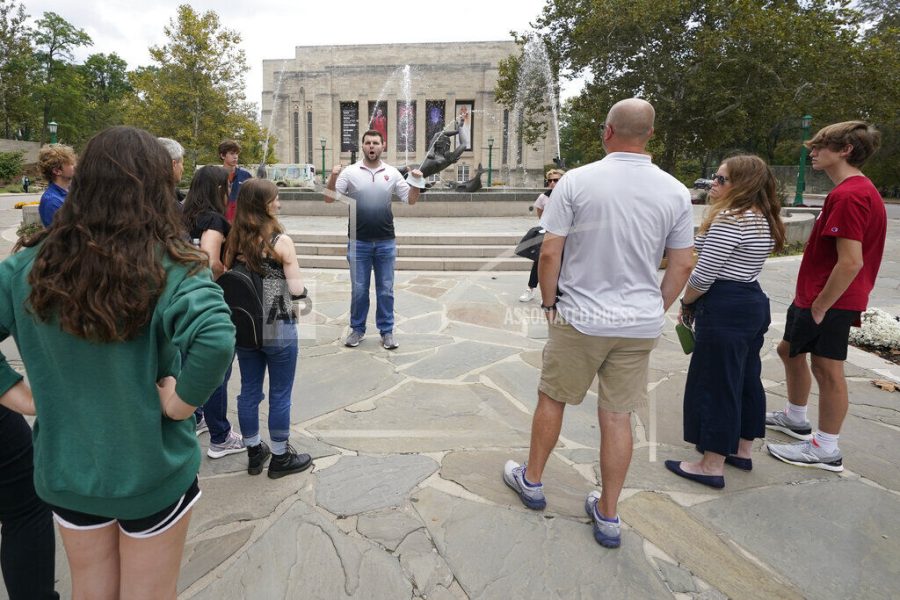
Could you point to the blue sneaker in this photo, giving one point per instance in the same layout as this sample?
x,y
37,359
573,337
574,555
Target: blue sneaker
x,y
531,496
608,534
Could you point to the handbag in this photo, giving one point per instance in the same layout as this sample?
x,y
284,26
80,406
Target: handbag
x,y
530,245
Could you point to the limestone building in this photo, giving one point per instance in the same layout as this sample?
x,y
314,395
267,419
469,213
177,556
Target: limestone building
x,y
318,103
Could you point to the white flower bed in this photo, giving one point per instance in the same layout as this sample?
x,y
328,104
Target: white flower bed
x,y
879,330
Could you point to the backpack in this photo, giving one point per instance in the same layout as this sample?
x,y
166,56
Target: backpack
x,y
530,245
243,291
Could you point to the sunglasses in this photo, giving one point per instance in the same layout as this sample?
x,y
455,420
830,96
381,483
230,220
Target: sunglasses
x,y
720,179
552,180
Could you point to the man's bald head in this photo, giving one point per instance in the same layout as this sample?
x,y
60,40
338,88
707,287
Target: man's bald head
x,y
632,120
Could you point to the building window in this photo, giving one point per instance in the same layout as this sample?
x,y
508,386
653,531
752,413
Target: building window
x,y
505,159
309,138
296,151
520,137
462,173
406,126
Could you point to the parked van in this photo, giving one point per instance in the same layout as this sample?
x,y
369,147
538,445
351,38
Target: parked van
x,y
292,175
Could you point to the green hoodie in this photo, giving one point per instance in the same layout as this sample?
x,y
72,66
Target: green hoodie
x,y
101,443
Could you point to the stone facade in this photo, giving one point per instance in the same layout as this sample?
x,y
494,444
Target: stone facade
x,y
330,93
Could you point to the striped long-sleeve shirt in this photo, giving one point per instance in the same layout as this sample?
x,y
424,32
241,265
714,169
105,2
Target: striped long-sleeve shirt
x,y
734,248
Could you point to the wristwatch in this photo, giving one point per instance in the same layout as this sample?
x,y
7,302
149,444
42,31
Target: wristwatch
x,y
547,309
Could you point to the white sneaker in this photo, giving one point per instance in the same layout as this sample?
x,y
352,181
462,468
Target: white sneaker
x,y
527,295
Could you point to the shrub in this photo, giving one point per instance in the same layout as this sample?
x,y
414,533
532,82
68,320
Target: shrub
x,y
11,164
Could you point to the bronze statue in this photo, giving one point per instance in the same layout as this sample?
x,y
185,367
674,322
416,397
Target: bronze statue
x,y
439,156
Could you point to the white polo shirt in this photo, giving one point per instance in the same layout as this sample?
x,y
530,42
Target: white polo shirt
x,y
371,190
617,215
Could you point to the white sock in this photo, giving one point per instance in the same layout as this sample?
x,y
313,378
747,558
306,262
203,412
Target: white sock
x,y
795,413
828,442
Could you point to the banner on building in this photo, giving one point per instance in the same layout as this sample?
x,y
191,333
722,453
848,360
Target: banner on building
x,y
349,126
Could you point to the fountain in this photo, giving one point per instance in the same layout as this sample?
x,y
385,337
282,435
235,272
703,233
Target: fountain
x,y
536,93
261,169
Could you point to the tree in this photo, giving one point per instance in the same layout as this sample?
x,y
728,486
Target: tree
x,y
17,117
10,165
194,90
59,91
722,74
107,90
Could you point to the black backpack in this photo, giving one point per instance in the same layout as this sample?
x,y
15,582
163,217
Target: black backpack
x,y
243,290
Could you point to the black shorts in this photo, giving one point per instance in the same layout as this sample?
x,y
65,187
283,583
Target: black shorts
x,y
144,527
828,339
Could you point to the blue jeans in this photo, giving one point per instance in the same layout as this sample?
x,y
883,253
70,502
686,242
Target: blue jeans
x,y
363,258
215,411
280,359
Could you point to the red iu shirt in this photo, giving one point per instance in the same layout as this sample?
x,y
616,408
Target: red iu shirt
x,y
853,210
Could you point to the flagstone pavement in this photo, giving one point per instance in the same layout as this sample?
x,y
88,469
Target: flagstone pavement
x,y
406,500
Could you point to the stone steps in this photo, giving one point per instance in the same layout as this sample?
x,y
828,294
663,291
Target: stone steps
x,y
419,252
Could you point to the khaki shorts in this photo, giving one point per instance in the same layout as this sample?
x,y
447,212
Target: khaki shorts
x,y
572,359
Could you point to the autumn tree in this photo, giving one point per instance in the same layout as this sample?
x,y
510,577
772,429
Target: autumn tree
x,y
194,90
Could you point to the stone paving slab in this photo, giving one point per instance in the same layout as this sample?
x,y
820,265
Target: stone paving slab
x,y
700,549
428,417
497,553
856,526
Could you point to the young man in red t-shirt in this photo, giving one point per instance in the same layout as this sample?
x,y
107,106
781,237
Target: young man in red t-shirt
x,y
839,267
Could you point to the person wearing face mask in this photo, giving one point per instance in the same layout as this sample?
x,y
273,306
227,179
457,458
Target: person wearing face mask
x,y
553,176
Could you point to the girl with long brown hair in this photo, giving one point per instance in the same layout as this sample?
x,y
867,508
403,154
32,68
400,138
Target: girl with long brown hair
x,y
102,306
258,240
724,401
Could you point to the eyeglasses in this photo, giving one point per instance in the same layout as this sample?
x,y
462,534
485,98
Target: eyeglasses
x,y
549,181
720,179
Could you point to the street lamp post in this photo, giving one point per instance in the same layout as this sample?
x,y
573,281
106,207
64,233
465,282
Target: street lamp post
x,y
490,157
53,126
322,143
805,122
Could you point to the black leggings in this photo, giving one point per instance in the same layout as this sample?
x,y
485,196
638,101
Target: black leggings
x,y
27,548
533,277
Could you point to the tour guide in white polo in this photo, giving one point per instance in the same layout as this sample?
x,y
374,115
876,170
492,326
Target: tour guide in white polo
x,y
370,184
607,227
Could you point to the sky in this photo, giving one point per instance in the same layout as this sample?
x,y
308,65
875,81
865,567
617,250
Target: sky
x,y
270,29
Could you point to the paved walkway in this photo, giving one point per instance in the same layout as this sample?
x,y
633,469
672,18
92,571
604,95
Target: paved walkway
x,y
406,499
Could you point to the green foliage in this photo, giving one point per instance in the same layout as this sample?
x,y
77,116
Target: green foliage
x,y
10,165
727,75
16,62
106,90
194,90
58,83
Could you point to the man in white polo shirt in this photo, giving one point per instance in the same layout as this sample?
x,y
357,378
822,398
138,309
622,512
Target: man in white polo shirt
x,y
603,301
370,184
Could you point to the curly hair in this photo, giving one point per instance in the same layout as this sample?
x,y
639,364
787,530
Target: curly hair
x,y
253,227
99,267
753,186
55,156
208,193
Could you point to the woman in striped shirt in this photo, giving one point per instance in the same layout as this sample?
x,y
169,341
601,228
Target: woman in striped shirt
x,y
724,401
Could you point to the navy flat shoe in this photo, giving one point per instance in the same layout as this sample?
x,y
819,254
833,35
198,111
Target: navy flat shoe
x,y
744,464
713,481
